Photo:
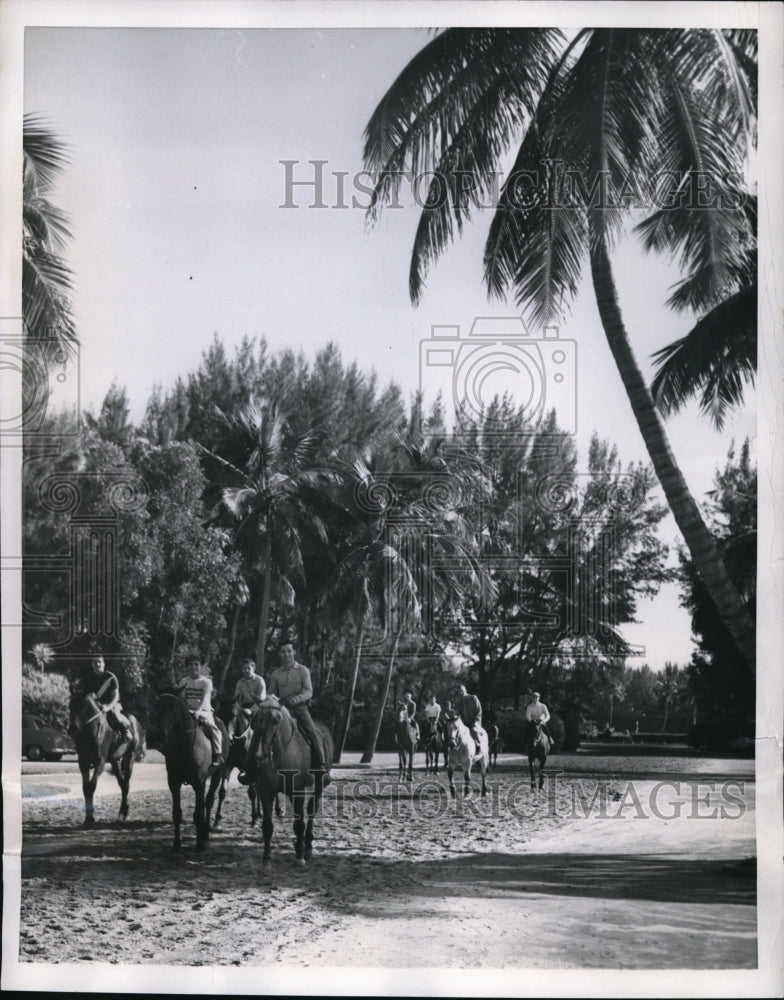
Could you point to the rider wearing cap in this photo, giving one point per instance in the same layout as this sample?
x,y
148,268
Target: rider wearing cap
x,y
408,713
536,712
469,709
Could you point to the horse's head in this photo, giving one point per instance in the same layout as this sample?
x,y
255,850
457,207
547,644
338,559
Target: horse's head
x,y
454,735
83,709
240,723
169,709
267,720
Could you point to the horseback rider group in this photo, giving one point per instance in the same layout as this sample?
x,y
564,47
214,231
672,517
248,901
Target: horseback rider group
x,y
291,684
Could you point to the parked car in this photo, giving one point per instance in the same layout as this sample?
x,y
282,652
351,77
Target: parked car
x,y
41,742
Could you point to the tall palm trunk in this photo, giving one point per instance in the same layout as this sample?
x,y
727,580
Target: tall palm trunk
x,y
699,540
232,642
370,746
352,687
261,638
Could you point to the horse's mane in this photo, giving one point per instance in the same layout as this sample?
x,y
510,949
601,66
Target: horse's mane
x,y
273,704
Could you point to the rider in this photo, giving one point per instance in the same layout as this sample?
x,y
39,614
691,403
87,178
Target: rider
x,y
292,685
432,712
195,691
104,685
537,712
469,709
250,690
408,712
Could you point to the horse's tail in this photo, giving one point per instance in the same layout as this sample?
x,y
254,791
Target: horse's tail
x,y
327,741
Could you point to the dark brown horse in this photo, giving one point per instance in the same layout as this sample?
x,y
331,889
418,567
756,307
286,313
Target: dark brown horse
x,y
239,726
496,744
537,748
98,744
188,754
283,764
406,742
433,744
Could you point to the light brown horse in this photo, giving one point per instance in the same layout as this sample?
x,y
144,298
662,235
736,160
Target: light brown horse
x,y
283,764
462,754
406,742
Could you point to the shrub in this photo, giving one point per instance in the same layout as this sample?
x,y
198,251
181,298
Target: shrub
x,y
45,695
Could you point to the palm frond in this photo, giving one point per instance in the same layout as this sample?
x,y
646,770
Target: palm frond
x,y
715,360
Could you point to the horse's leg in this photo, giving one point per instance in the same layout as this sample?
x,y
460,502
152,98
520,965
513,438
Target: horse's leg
x,y
175,789
200,814
218,784
266,799
88,787
542,763
313,806
450,772
124,769
533,773
467,779
299,828
483,769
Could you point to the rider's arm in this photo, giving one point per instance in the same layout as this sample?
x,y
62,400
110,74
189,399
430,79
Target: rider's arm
x,y
262,695
546,717
307,690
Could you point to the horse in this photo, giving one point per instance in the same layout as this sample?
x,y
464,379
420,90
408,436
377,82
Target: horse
x,y
406,741
239,727
537,747
462,753
96,745
239,731
188,752
495,743
283,764
433,744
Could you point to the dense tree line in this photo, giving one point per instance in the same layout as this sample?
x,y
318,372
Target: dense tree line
x,y
392,553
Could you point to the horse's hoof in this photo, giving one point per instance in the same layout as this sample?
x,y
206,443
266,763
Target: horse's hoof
x,y
266,866
175,849
300,863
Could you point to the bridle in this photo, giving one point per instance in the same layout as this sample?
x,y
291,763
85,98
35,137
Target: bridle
x,y
269,735
235,736
75,727
189,732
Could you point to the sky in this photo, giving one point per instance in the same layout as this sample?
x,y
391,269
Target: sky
x,y
177,197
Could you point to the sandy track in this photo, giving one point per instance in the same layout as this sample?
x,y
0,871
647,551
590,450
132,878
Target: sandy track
x,y
400,878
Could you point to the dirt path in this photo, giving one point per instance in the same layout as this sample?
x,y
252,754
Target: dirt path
x,y
402,878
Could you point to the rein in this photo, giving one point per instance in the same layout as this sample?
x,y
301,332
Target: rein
x,y
286,745
92,718
167,694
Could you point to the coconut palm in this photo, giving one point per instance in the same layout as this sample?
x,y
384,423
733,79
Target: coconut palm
x,y
42,654
276,498
605,110
46,278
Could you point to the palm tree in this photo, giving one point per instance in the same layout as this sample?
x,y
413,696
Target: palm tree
x,y
43,654
431,548
668,688
277,502
46,278
601,111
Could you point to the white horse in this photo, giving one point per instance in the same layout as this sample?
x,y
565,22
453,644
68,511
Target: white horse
x,y
462,754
